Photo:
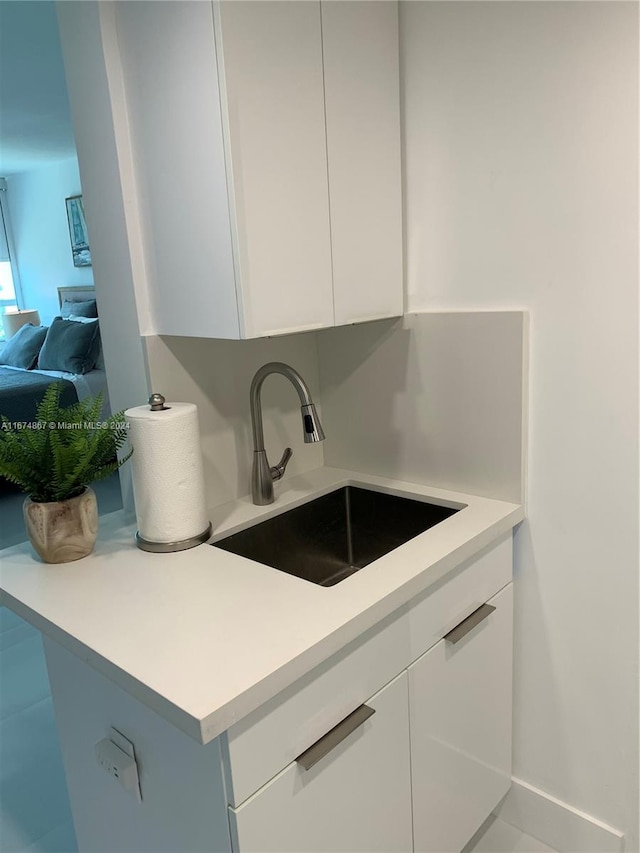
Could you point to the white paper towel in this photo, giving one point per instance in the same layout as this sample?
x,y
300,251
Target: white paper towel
x,y
168,483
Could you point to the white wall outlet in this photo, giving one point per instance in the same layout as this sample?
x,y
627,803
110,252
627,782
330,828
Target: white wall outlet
x,y
119,762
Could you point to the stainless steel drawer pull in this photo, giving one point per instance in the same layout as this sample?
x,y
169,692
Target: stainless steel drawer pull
x,y
469,623
332,738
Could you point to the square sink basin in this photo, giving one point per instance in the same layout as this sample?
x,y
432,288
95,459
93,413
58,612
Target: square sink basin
x,y
331,537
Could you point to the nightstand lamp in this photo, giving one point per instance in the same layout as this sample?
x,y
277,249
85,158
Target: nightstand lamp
x,y
14,318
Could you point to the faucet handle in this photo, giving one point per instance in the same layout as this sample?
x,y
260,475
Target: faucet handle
x,y
277,471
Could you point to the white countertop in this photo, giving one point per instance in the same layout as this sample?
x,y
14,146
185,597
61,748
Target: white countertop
x,y
204,637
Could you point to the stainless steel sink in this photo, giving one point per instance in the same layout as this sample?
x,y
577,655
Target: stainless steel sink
x,y
331,537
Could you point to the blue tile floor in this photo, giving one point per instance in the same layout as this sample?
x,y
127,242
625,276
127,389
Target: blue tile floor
x,y
35,816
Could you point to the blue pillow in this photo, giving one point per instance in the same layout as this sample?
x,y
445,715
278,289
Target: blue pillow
x,y
70,346
22,349
86,308
100,358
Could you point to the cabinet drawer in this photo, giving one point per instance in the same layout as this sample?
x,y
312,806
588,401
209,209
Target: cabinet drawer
x,y
441,609
276,733
460,721
357,797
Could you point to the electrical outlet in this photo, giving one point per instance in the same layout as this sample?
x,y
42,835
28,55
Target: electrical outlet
x,y
119,764
127,746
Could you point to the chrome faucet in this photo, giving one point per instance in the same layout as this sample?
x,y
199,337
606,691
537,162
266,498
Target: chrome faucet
x,y
263,474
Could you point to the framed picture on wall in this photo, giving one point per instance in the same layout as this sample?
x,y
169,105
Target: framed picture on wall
x,y
78,232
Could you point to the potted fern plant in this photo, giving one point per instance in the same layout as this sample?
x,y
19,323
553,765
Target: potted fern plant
x,y
53,460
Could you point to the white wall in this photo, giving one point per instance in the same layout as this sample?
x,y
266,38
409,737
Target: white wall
x,y
41,233
521,136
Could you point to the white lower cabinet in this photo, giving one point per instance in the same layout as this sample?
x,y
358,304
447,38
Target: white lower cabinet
x,y
460,710
355,798
420,774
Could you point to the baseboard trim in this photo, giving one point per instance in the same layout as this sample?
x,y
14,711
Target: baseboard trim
x,y
556,824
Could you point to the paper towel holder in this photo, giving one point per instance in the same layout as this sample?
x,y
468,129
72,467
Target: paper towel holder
x,y
157,404
168,547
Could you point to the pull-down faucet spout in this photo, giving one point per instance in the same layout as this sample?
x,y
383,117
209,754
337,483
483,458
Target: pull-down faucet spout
x,y
263,474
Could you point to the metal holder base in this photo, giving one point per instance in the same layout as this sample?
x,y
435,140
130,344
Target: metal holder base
x,y
168,547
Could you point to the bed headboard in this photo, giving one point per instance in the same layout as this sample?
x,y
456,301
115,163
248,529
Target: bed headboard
x,y
76,294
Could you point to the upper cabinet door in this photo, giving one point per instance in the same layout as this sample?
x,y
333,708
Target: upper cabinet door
x,y
361,74
271,56
176,142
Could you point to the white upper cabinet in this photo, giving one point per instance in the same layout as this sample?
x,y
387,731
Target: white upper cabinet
x,y
361,78
265,144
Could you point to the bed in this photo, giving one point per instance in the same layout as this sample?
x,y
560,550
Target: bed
x,y
21,390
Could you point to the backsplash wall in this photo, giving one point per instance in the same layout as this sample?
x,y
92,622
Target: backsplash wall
x,y
435,398
216,376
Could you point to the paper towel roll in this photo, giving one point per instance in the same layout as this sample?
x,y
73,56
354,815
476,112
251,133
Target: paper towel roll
x,y
168,483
